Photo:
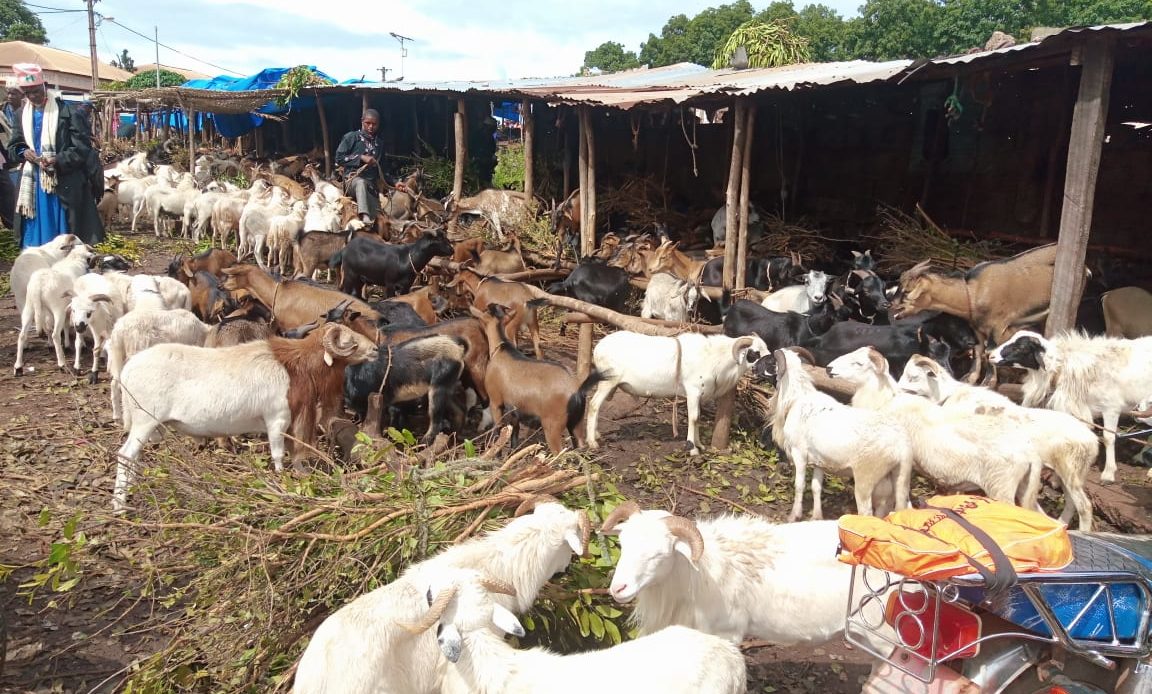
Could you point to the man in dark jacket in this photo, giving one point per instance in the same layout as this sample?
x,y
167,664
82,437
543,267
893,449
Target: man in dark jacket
x,y
360,155
53,141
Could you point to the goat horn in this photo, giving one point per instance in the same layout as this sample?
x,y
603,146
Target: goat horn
x,y
493,585
687,531
805,355
585,528
619,514
919,268
530,503
334,342
740,343
435,610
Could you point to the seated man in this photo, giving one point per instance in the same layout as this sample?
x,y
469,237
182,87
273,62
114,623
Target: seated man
x,y
359,155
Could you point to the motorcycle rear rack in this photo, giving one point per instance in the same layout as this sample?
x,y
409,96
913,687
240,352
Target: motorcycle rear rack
x,y
865,624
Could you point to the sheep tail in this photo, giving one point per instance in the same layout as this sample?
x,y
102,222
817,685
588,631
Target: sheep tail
x,y
579,400
337,259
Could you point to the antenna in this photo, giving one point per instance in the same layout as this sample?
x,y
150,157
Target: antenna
x,y
403,50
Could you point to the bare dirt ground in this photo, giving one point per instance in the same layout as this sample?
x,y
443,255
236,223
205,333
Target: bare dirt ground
x,y
55,460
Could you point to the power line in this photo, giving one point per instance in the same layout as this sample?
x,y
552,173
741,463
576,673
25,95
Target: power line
x,y
174,50
50,10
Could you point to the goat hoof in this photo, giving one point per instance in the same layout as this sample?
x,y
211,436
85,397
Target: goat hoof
x,y
693,449
1107,479
18,371
93,378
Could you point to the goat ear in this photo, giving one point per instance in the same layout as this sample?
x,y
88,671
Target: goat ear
x,y
328,358
857,254
101,297
505,621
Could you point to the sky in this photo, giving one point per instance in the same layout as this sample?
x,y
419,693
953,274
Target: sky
x,y
451,39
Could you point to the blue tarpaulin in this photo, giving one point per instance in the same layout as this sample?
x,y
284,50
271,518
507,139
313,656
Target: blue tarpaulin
x,y
235,125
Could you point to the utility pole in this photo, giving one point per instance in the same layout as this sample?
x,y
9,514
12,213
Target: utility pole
x,y
156,29
403,49
92,45
384,74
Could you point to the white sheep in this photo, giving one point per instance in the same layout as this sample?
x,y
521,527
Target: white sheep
x,y
813,428
37,258
959,450
93,307
1083,376
801,298
735,577
163,201
142,328
699,367
47,296
676,660
1066,444
282,231
322,214
154,292
360,647
670,298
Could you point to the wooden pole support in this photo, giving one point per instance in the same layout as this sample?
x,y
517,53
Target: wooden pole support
x,y
745,179
372,417
324,134
732,197
460,130
587,230
527,130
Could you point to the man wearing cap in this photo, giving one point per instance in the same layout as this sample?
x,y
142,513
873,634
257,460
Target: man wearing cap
x,y
53,142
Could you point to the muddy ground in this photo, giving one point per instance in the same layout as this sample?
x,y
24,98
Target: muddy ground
x,y
54,454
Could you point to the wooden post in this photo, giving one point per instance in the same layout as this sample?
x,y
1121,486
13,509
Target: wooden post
x,y
526,126
745,182
564,132
587,230
191,143
139,126
732,198
460,130
363,102
1084,147
324,134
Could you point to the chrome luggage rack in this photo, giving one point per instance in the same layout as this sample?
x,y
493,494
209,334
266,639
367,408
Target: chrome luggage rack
x,y
866,626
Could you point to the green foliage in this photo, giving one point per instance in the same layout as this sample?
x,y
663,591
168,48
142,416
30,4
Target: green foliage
x,y
9,247
825,30
124,61
509,172
60,571
18,23
892,29
695,40
440,172
610,57
296,79
769,44
115,244
147,80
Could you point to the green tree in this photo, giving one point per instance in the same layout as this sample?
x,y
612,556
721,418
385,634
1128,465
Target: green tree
x,y
124,61
892,29
780,10
610,57
18,23
147,80
967,24
695,40
825,30
1060,13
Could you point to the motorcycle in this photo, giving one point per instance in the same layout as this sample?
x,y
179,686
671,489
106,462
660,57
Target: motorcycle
x,y
1086,629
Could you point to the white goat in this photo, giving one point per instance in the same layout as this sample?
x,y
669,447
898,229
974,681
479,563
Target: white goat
x,y
676,660
163,201
37,258
525,554
958,450
699,367
48,295
135,166
1066,444
801,298
736,577
255,220
1083,376
282,231
142,328
93,306
813,428
669,297
322,215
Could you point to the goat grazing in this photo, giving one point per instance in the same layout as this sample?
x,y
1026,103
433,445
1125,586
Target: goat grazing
x,y
699,367
1066,444
813,428
1083,376
254,387
747,577
37,258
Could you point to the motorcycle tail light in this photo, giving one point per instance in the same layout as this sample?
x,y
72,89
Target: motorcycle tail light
x,y
912,614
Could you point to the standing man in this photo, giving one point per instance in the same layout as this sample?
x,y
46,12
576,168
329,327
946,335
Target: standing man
x,y
360,157
53,142
10,173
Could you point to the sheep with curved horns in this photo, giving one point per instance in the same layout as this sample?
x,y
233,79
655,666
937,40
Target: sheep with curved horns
x,y
1083,376
958,450
672,661
1066,444
735,577
361,648
699,367
813,428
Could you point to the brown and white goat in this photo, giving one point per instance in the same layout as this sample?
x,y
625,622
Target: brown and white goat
x,y
525,386
489,290
667,258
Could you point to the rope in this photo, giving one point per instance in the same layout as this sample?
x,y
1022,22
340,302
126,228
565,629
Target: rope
x,y
692,146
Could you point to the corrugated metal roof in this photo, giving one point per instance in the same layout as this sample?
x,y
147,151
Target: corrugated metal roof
x,y
1049,40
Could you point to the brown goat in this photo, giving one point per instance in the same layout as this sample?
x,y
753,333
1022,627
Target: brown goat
x,y
109,202
208,299
467,249
489,290
421,302
292,303
526,386
211,261
1127,312
313,250
315,366
667,258
493,262
996,297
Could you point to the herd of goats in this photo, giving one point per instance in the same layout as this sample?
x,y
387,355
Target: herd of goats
x,y
219,348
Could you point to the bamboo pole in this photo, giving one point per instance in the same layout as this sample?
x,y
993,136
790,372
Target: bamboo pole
x,y
324,134
527,123
587,238
732,197
460,131
745,182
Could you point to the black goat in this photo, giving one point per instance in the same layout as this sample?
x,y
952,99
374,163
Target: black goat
x,y
863,261
780,329
393,267
897,342
863,292
422,366
399,314
596,283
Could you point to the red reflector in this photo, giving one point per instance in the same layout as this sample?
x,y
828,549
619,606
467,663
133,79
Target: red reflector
x,y
913,616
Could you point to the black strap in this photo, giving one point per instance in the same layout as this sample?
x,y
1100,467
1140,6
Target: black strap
x,y
1005,575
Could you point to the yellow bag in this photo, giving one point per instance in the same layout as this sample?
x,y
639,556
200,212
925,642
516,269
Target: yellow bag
x,y
956,535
